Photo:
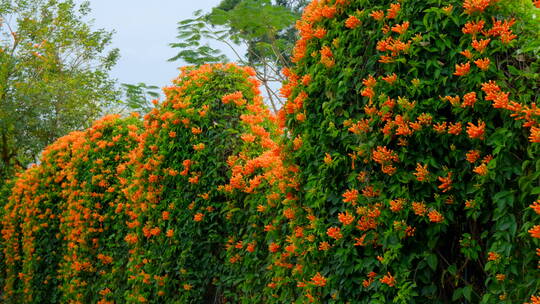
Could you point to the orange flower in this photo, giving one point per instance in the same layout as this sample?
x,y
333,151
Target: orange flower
x,y
480,45
440,127
469,100
435,216
446,182
493,256
390,78
401,28
232,97
327,159
481,170
350,196
393,11
388,279
170,233
396,205
472,6
318,280
419,208
323,246
462,69
536,206
467,54
345,218
289,213
352,22
334,232
473,155
455,129
377,15
360,240
273,247
483,64
476,131
198,217
535,135
473,28
535,231
165,215
368,92
421,173
318,33
198,147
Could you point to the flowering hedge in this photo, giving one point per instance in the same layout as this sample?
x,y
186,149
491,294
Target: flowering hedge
x,y
404,167
181,190
60,226
419,152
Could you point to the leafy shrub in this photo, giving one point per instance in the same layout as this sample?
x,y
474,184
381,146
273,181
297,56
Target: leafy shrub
x,y
180,203
60,226
419,152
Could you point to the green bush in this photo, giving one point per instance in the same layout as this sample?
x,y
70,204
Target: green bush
x,y
420,152
178,190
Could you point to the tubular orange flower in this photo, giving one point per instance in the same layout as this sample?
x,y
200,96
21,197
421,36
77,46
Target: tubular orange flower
x,y
318,280
273,247
469,100
435,216
345,218
388,279
334,232
390,78
446,182
421,172
352,22
483,64
396,205
536,206
467,54
319,33
401,28
473,156
472,6
480,45
198,217
462,69
323,246
476,131
473,27
535,135
350,196
535,231
493,256
377,15
481,169
455,129
393,11
419,208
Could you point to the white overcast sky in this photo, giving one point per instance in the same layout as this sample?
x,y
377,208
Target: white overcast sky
x,y
143,31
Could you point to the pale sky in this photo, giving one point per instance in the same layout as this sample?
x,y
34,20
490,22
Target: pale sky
x,y
143,31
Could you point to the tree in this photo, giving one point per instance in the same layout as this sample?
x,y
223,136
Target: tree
x,y
137,97
53,75
262,27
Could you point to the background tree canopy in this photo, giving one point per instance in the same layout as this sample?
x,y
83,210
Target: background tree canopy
x,y
53,75
264,28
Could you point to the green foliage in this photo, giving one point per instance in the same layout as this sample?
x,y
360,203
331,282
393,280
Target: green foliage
x,y
138,97
53,75
263,28
427,238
